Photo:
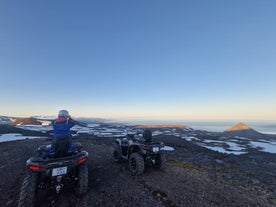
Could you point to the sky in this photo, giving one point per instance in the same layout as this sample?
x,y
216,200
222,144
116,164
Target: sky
x,y
130,59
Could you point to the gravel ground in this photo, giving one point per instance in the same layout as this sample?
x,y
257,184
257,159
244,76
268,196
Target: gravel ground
x,y
193,176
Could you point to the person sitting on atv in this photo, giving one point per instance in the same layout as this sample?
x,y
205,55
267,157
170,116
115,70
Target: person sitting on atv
x,y
147,135
62,133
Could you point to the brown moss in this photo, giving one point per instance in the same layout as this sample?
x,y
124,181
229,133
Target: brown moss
x,y
186,165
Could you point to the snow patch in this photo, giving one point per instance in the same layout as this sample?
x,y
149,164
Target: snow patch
x,y
234,146
266,147
190,138
222,150
167,148
15,136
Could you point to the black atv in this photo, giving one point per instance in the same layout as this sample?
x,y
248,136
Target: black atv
x,y
139,152
51,171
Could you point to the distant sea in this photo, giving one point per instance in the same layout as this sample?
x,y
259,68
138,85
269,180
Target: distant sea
x,y
268,127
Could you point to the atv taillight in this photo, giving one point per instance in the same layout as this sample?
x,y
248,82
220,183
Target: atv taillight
x,y
37,168
82,160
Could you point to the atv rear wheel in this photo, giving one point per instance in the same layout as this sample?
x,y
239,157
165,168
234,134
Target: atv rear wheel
x,y
160,162
28,190
117,153
82,185
136,164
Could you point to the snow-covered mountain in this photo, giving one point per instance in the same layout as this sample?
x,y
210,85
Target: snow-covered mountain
x,y
6,119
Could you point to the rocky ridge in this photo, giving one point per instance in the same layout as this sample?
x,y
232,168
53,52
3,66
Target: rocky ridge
x,y
26,121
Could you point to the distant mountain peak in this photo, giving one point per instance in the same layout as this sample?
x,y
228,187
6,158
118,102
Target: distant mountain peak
x,y
238,127
26,121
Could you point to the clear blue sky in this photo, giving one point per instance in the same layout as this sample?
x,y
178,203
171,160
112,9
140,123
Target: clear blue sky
x,y
139,59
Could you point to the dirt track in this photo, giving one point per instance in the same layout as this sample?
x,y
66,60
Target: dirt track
x,y
194,176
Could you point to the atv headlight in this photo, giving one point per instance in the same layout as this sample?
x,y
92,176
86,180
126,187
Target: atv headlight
x,y
155,149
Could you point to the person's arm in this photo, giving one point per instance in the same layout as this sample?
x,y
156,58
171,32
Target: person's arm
x,y
75,122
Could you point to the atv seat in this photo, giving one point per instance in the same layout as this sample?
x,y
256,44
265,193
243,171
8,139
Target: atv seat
x,y
43,151
75,147
46,150
61,146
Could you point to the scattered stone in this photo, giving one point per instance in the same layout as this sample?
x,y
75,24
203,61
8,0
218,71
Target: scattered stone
x,y
9,202
219,161
255,181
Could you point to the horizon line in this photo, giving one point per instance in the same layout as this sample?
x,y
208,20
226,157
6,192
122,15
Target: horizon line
x,y
160,119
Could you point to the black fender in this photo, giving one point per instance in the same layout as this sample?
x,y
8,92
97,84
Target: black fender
x,y
133,148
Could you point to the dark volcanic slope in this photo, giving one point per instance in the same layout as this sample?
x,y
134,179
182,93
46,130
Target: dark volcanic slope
x,y
5,129
194,176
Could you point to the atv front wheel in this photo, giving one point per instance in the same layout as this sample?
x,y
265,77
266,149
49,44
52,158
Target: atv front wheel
x,y
82,186
28,190
117,153
136,164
